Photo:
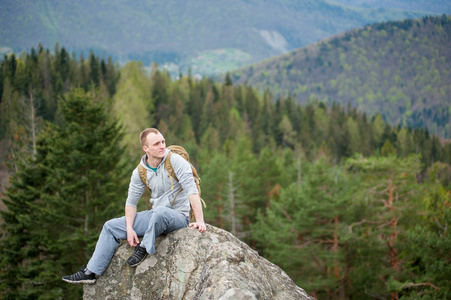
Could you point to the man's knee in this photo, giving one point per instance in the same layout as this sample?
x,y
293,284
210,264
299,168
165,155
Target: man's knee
x,y
115,229
110,225
161,214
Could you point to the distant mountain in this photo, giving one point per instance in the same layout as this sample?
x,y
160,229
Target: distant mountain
x,y
207,36
401,70
439,6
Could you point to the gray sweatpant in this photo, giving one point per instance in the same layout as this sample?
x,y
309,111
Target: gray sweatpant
x,y
149,224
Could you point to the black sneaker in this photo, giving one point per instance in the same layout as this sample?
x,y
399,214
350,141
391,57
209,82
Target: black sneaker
x,y
137,257
80,277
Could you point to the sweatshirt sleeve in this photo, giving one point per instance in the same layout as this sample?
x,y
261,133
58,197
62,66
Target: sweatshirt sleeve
x,y
183,171
135,189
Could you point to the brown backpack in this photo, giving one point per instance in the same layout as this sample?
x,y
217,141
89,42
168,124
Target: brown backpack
x,y
171,173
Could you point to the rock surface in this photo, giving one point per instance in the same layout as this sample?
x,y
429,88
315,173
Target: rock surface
x,y
193,265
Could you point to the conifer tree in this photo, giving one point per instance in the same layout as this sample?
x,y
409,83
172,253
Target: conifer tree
x,y
287,132
265,128
387,205
159,91
430,247
377,125
214,167
302,231
94,70
243,186
111,77
59,199
354,136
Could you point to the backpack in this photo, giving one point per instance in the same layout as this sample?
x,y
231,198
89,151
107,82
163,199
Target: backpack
x,y
171,173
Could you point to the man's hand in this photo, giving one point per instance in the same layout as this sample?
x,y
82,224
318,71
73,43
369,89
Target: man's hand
x,y
132,238
130,214
199,225
196,206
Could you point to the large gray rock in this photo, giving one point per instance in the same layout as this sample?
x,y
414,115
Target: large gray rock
x,y
193,265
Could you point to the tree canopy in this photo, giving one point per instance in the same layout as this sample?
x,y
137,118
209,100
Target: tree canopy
x,y
349,205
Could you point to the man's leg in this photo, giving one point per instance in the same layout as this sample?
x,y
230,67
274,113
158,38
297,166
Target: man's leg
x,y
113,231
163,220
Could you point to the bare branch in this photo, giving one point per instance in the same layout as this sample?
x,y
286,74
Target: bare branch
x,y
362,222
408,285
318,241
387,223
439,225
286,214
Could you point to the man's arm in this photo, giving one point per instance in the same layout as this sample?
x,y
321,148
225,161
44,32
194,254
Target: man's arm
x,y
135,191
196,206
184,174
130,214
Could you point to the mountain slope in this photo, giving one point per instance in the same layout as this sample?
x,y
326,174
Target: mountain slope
x,y
399,69
439,6
185,33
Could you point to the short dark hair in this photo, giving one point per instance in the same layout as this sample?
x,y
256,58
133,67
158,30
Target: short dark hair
x,y
145,133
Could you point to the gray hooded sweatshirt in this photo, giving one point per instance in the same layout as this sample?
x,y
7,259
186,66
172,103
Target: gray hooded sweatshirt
x,y
160,184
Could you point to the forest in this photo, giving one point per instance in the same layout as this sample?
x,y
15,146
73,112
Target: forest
x,y
397,69
348,205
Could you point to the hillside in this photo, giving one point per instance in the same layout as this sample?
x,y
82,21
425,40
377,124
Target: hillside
x,y
440,6
208,36
398,69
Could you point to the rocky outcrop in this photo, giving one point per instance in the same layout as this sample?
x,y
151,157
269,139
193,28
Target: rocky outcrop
x,y
193,265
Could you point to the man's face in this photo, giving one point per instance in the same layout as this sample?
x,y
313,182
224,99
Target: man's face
x,y
155,145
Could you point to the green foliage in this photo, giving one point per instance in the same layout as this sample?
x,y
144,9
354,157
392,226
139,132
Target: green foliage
x,y
306,185
355,232
59,199
388,205
214,170
301,231
430,245
397,69
31,84
132,103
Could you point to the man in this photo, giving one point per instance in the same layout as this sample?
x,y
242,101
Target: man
x,y
165,216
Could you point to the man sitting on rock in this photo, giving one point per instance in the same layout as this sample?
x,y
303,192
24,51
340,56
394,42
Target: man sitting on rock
x,y
165,216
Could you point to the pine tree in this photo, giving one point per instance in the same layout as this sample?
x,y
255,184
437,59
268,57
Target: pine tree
x,y
159,91
387,205
288,134
94,69
355,144
214,167
243,186
59,199
430,247
302,231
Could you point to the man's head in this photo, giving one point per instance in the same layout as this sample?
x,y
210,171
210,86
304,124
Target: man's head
x,y
153,143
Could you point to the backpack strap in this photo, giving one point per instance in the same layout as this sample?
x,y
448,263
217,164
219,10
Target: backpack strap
x,y
143,175
170,169
171,174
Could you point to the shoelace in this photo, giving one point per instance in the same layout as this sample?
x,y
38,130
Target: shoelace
x,y
139,252
79,275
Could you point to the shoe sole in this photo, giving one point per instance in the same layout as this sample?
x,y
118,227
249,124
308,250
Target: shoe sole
x,y
86,281
134,265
